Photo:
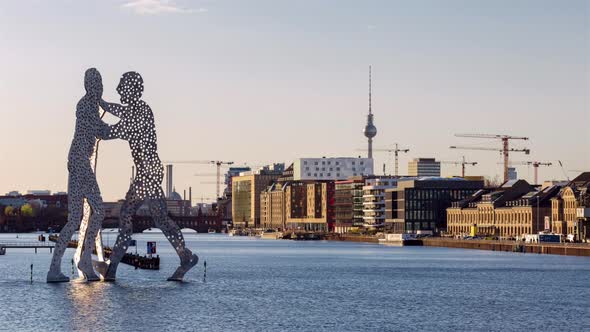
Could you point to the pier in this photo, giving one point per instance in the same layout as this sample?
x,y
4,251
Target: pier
x,y
25,245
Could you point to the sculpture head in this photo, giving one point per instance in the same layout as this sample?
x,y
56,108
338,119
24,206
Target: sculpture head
x,y
93,83
130,87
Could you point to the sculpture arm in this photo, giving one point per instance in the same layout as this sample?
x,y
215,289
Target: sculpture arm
x,y
107,132
113,108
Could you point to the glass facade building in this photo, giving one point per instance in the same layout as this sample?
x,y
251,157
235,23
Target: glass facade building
x,y
420,205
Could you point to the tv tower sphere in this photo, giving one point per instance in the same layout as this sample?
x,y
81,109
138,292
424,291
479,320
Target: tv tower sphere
x,y
370,130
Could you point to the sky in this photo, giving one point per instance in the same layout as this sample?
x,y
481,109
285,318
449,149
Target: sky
x,y
266,81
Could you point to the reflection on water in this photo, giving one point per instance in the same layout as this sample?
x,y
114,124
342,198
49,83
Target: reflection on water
x,y
257,285
87,301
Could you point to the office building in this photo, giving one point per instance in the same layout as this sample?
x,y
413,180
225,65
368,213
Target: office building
x,y
422,167
331,169
231,172
419,205
246,190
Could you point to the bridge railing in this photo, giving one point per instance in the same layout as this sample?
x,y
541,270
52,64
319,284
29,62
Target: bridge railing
x,y
26,245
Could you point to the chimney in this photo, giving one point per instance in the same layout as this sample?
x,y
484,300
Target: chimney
x,y
169,181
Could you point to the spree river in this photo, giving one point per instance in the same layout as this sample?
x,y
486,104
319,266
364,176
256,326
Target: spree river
x,y
266,285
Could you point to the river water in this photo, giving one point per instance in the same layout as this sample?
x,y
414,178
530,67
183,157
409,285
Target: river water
x,y
266,285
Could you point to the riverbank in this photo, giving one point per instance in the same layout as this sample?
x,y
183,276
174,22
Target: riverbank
x,y
564,249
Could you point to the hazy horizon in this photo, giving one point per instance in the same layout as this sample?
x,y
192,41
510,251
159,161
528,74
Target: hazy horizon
x,y
270,81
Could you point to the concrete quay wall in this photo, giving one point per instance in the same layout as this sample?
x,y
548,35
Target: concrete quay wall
x,y
567,249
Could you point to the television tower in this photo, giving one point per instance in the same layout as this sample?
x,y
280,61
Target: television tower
x,y
370,129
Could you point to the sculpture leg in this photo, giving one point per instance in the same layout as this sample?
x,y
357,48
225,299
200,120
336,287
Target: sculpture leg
x,y
81,237
92,228
159,213
76,203
132,203
98,245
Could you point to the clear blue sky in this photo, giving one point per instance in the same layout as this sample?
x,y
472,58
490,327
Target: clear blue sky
x,y
263,81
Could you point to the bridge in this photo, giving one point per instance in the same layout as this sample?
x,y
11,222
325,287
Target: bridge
x,y
25,245
201,223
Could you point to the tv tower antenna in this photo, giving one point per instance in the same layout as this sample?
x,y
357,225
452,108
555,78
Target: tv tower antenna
x,y
370,129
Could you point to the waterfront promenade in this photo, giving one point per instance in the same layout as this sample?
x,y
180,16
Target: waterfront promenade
x,y
566,249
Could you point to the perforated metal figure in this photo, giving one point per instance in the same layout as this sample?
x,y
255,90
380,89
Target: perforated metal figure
x,y
82,183
137,126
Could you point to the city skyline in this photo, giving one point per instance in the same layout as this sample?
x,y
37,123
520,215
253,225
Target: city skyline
x,y
265,82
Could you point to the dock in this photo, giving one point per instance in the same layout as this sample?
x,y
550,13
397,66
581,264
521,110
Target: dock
x,y
137,261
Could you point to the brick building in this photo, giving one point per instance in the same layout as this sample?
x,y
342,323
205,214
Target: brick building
x,y
514,209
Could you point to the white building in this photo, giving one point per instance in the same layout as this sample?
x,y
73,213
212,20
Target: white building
x,y
512,174
331,168
374,200
39,192
424,167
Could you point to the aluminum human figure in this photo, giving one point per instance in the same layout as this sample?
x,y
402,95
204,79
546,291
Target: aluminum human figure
x,y
82,184
137,126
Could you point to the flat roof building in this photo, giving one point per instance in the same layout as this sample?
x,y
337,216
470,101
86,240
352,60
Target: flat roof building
x,y
419,205
348,204
374,200
310,206
246,190
331,169
424,167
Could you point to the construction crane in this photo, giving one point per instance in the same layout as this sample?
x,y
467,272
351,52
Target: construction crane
x,y
396,150
463,163
218,163
535,165
505,150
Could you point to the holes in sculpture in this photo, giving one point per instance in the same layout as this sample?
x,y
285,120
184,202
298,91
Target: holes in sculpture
x,y
136,125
